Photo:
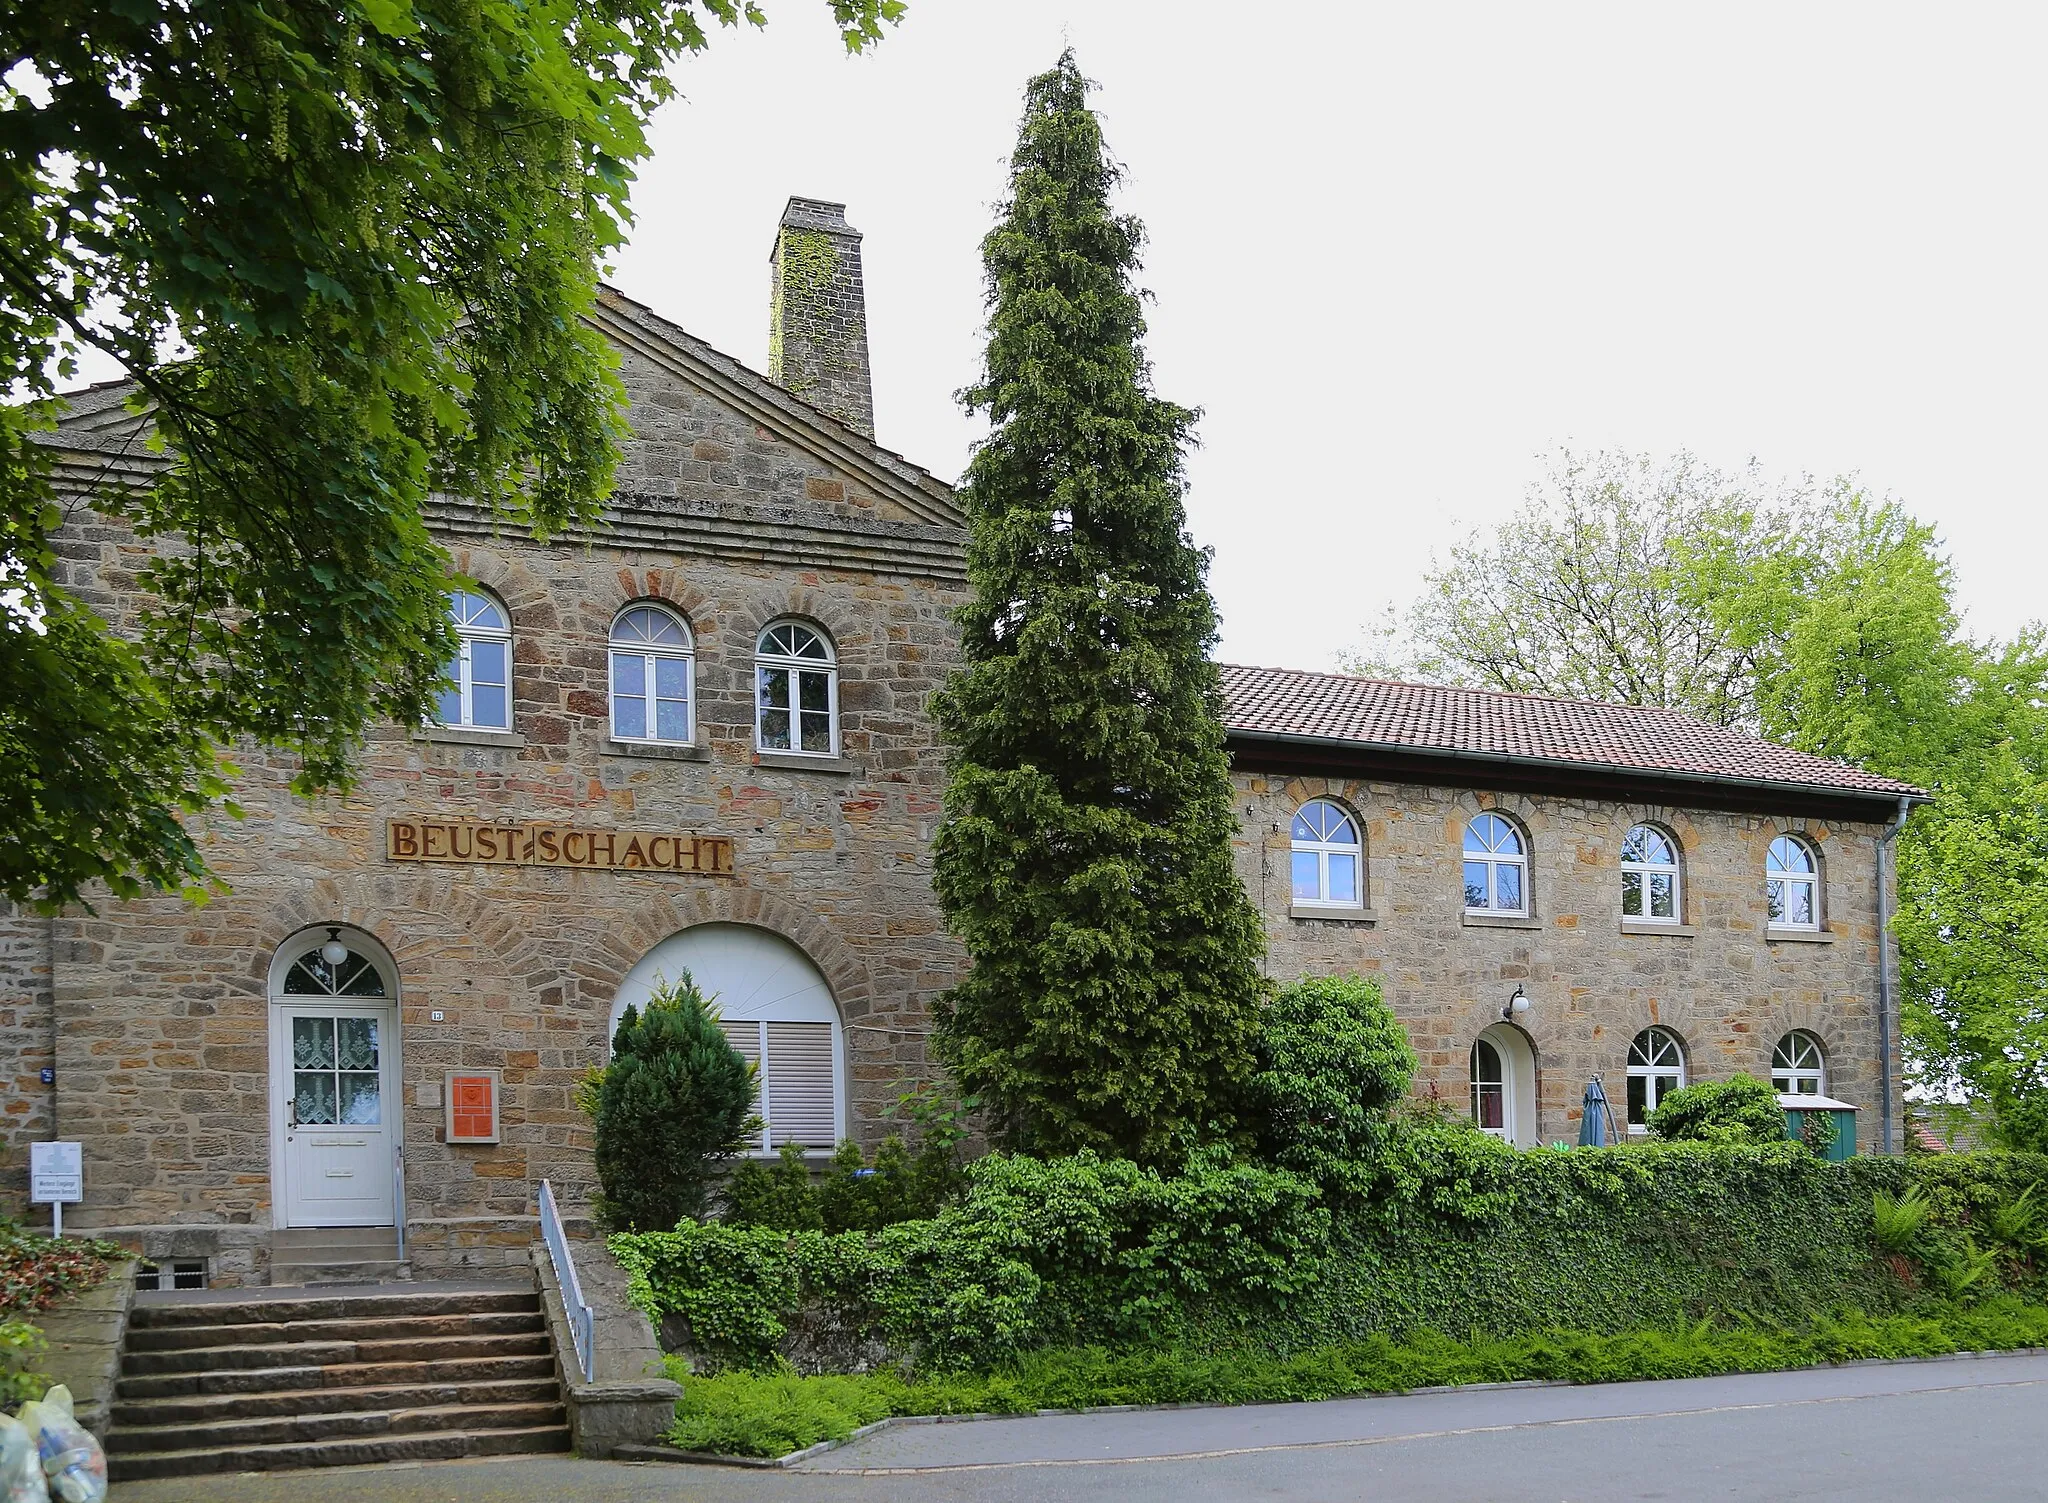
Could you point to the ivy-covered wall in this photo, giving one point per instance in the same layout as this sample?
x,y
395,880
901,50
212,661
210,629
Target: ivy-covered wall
x,y
1458,1234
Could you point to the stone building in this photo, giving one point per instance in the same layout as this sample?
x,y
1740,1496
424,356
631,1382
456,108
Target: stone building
x,y
697,738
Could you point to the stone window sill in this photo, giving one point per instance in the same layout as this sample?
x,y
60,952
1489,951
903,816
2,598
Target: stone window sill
x,y
803,762
460,735
1651,926
1502,921
1799,936
664,751
1315,914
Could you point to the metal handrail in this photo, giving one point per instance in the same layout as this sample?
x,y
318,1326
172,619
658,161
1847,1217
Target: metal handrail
x,y
582,1323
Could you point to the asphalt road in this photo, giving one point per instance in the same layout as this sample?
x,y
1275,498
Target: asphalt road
x,y
1921,1431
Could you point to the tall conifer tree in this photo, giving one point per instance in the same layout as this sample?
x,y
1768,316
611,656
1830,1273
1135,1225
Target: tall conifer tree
x,y
1085,860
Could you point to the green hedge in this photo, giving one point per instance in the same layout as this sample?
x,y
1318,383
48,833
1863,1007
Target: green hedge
x,y
1456,1233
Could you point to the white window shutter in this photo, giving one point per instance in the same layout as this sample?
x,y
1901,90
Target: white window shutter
x,y
799,1074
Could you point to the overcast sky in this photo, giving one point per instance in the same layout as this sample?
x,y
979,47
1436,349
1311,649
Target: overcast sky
x,y
1402,251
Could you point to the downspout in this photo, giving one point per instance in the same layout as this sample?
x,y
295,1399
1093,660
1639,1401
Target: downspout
x,y
1884,972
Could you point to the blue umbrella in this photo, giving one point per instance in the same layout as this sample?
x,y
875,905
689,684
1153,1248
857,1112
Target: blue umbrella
x,y
1596,1116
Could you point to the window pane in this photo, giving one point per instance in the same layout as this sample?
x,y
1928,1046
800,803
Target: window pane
x,y
672,719
1475,884
313,1098
487,706
672,678
1308,886
360,1106
1488,1106
356,1043
629,716
313,1043
1638,1097
1661,904
1774,892
449,707
1343,879
1808,1087
817,731
486,662
1800,895
1507,886
1632,894
775,689
816,690
629,673
775,730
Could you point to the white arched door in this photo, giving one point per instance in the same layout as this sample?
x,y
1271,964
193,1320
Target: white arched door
x,y
776,1007
334,1081
1504,1085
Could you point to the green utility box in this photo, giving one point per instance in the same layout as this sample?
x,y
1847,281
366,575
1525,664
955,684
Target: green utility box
x,y
1822,1123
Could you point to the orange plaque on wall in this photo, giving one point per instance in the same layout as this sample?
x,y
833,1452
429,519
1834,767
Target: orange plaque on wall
x,y
472,1105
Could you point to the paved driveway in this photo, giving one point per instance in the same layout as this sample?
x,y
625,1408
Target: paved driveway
x,y
1922,1431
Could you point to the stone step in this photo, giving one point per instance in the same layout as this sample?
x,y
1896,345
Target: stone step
x,y
264,1430
338,1270
286,1239
212,1408
346,1375
280,1332
131,1466
154,1312
399,1348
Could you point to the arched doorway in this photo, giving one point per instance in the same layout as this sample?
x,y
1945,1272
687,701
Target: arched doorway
x,y
334,1118
778,1010
1504,1085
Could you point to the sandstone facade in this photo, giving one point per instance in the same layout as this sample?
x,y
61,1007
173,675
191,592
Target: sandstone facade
x,y
738,506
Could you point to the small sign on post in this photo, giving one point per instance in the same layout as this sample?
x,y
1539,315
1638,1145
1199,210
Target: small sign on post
x,y
56,1178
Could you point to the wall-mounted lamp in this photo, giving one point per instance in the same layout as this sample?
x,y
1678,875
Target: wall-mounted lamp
x,y
1519,1002
334,952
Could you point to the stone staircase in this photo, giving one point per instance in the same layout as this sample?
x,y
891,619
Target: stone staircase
x,y
260,1380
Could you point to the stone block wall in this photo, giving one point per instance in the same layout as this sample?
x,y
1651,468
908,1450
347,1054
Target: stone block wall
x,y
1729,989
27,1047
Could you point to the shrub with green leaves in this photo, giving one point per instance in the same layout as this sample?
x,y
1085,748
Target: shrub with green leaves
x,y
1741,1109
1896,1221
673,1105
1332,1060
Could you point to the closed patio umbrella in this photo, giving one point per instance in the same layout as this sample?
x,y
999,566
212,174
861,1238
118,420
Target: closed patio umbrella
x,y
1596,1116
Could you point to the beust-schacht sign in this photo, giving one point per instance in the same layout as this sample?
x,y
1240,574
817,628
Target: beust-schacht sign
x,y
539,844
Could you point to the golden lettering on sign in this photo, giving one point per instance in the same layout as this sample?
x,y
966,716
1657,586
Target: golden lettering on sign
x,y
530,843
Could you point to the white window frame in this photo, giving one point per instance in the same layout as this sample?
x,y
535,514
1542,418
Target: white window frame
x,y
1791,1074
467,629
767,658
1651,1068
1645,870
651,653
1503,1082
1810,879
1323,850
1493,862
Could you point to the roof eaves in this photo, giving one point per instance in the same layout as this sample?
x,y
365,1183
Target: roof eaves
x,y
1904,791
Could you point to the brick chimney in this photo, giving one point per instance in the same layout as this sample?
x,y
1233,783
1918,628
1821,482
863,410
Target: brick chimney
x,y
818,317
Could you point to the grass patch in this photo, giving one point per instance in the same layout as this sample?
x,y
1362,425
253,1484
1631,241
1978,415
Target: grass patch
x,y
775,1412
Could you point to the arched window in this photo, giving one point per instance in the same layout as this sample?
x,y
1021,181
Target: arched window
x,y
480,676
1327,857
1792,884
1656,1068
1798,1068
1489,1089
797,694
1649,876
651,667
776,1007
1496,867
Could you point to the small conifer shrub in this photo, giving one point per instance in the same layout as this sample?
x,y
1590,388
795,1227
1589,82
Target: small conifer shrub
x,y
675,1103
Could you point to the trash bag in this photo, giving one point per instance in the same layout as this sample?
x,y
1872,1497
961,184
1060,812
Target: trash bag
x,y
72,1460
21,1473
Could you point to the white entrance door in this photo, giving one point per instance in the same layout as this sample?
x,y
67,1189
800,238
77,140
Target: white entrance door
x,y
334,1096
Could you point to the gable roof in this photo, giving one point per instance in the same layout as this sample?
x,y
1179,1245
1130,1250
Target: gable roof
x,y
1334,709
97,421
636,326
